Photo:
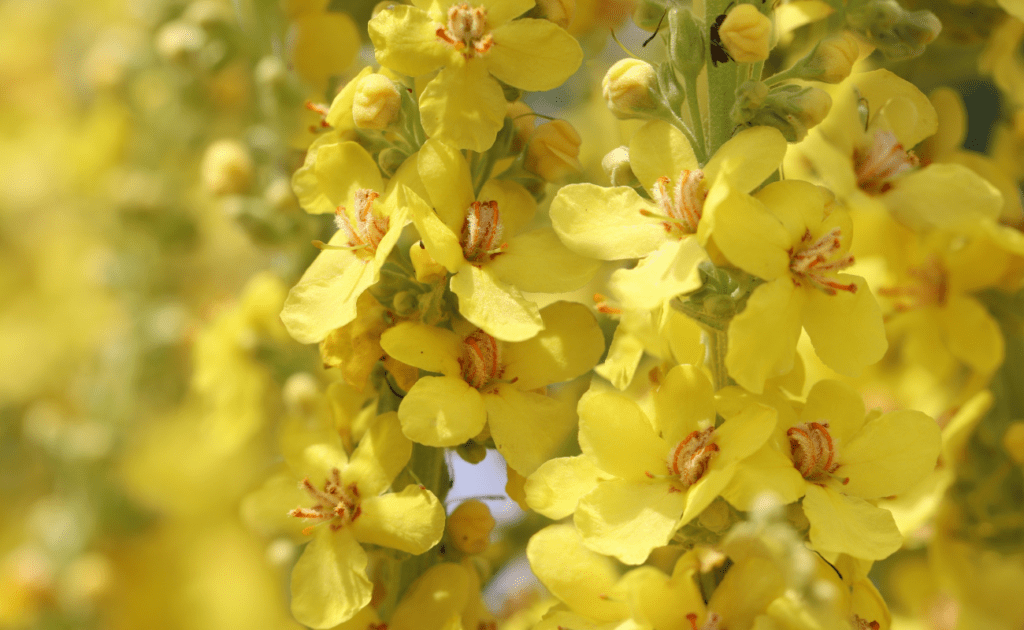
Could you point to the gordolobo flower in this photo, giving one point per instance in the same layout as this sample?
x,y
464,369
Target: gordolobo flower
x,y
840,459
469,42
788,235
368,228
339,500
488,381
617,223
664,471
477,238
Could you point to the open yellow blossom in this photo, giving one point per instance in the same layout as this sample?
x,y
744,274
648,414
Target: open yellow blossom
x,y
474,45
792,236
617,223
840,459
480,239
669,469
369,225
342,501
486,381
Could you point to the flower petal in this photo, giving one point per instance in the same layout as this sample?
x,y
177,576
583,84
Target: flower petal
x,y
570,344
763,337
445,174
799,206
766,471
463,105
838,405
574,574
971,333
628,519
529,260
329,584
554,489
948,196
527,427
405,40
605,417
325,297
685,402
516,205
605,223
842,524
343,168
411,520
497,308
533,55
749,157
501,11
429,348
745,232
442,244
666,272
382,453
846,328
266,509
890,455
442,411
660,150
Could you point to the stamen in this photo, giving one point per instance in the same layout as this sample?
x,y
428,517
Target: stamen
x,y
881,162
683,206
368,227
929,286
481,360
814,452
466,31
689,459
814,262
862,624
601,303
482,232
711,623
322,110
335,503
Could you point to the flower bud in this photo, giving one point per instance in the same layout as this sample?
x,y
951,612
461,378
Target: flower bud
x,y
898,33
226,168
175,41
746,34
833,59
616,164
377,103
524,123
647,15
791,109
560,12
629,87
470,525
553,151
427,269
686,41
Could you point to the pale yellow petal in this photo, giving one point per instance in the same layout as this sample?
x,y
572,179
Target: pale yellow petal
x,y
442,411
329,583
325,297
554,489
405,40
768,471
763,337
382,453
463,105
605,417
842,524
527,427
445,174
502,11
685,402
411,520
948,196
749,157
660,150
569,345
533,55
429,348
516,205
745,232
266,509
497,308
342,169
605,223
971,333
666,272
846,328
439,239
529,259
890,454
837,404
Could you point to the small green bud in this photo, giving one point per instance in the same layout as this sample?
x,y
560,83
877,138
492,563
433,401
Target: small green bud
x,y
686,41
648,14
791,109
898,33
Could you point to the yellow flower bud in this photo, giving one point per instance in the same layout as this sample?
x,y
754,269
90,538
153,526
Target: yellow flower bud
x,y
814,106
553,151
628,87
377,103
746,34
227,168
834,58
470,525
427,269
1013,442
616,164
524,123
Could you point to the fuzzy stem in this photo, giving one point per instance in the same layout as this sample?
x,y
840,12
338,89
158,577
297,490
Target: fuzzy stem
x,y
721,86
717,346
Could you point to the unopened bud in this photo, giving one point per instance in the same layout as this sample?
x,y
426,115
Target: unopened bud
x,y
791,109
523,121
629,87
175,41
898,33
553,151
616,164
648,15
301,393
746,34
686,41
390,159
470,525
427,269
832,60
377,103
1013,441
560,12
227,168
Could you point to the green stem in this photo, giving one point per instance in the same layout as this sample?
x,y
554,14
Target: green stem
x,y
721,86
718,345
698,122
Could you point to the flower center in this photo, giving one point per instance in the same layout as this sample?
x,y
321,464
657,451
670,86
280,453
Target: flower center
x,y
862,624
366,230
711,623
689,459
681,205
928,287
881,162
813,451
467,30
481,360
813,261
336,503
482,231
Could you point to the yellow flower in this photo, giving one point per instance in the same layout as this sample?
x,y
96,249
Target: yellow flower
x,y
840,459
474,46
368,228
663,471
617,223
479,239
487,381
787,235
343,501
323,43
